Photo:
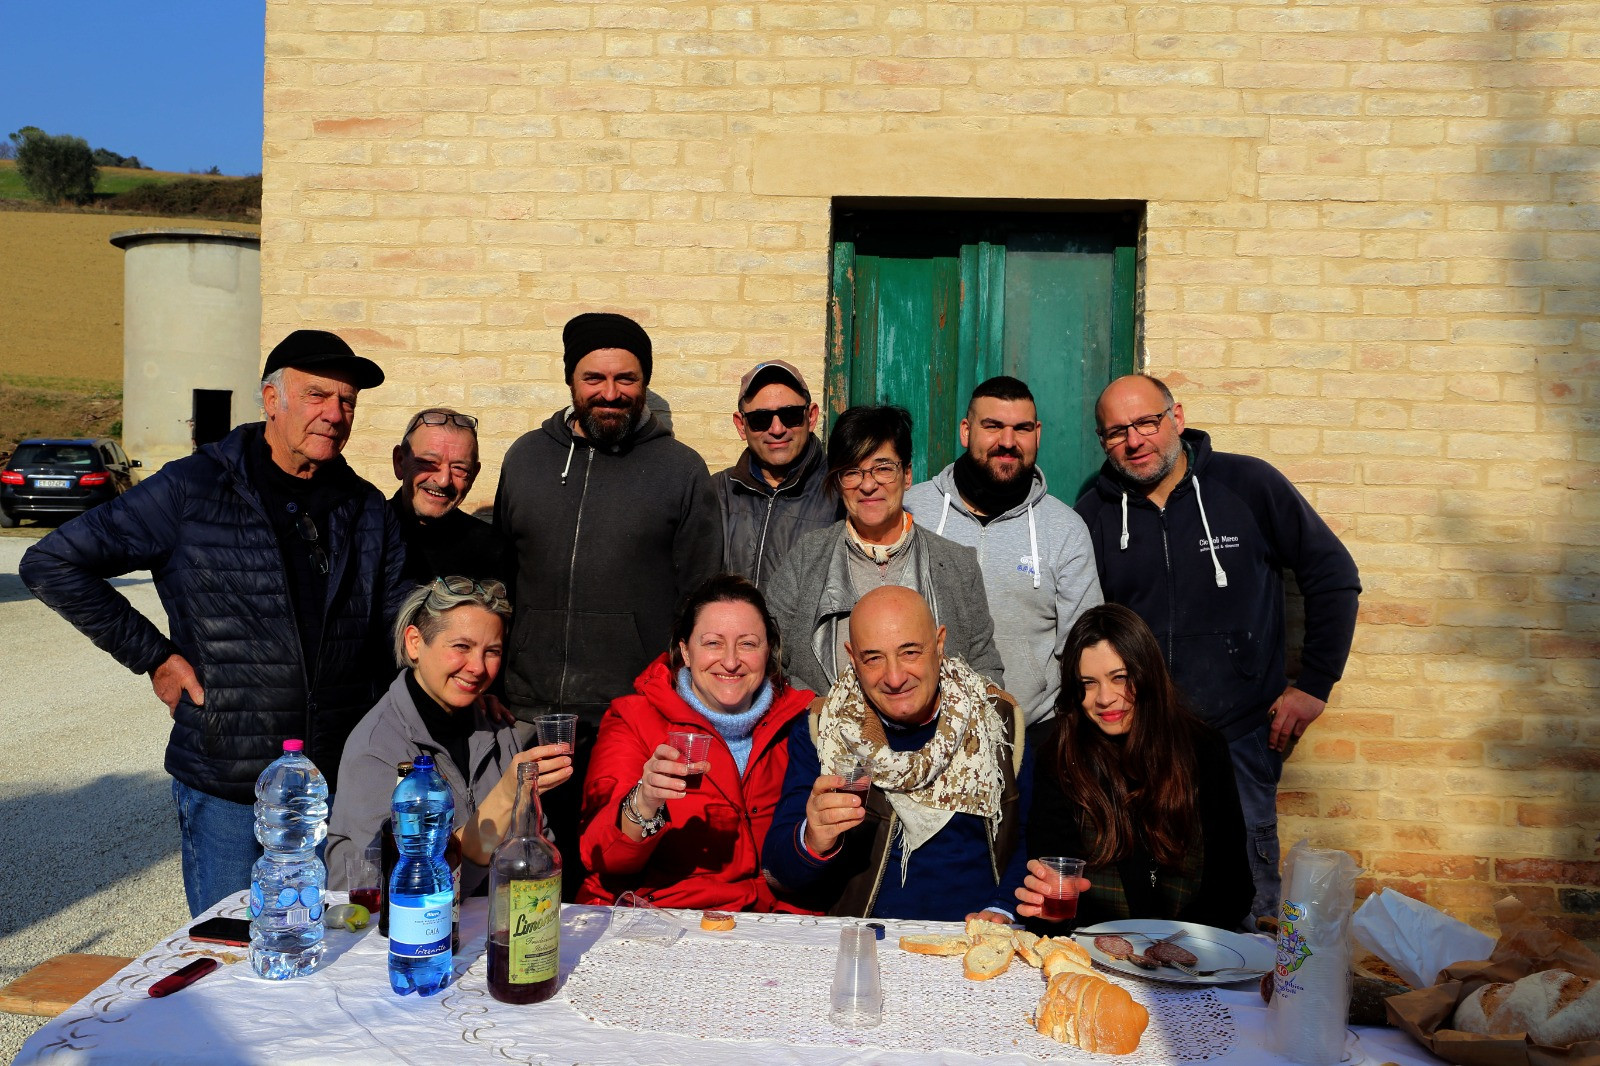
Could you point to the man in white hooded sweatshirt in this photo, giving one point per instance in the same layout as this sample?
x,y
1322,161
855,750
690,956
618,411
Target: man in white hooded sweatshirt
x,y
1037,561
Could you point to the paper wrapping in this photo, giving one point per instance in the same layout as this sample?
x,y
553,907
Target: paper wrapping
x,y
1526,946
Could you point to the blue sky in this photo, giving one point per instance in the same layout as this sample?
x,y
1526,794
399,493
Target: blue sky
x,y
175,82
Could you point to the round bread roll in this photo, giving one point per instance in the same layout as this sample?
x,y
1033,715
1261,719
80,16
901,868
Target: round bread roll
x,y
717,921
1474,1014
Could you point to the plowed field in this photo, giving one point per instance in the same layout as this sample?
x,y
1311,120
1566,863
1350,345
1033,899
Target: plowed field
x,y
61,320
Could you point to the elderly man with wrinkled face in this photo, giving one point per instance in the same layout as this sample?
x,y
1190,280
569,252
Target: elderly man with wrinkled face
x,y
938,835
279,569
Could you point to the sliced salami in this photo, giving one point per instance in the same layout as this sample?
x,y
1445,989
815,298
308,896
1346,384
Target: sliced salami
x,y
1114,945
1171,953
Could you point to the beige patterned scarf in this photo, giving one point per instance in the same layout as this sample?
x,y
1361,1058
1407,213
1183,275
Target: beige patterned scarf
x,y
958,771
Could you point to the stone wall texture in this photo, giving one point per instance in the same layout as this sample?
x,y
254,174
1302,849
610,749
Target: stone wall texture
x,y
1372,256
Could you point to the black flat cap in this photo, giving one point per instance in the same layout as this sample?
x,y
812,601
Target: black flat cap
x,y
317,349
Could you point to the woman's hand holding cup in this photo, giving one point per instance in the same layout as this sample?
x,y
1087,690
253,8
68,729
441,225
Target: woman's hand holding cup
x,y
662,779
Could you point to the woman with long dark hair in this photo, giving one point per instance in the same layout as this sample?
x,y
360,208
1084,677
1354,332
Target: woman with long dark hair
x,y
1134,784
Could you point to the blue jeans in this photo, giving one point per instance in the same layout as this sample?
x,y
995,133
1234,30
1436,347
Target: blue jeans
x,y
219,845
1257,768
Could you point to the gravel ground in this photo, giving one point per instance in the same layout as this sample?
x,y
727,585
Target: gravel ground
x,y
87,826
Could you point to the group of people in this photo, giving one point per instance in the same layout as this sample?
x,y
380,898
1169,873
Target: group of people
x,y
1020,678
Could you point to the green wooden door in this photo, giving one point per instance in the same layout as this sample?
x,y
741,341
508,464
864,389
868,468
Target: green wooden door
x,y
923,331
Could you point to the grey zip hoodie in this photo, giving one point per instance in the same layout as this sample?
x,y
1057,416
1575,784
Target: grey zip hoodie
x,y
1038,574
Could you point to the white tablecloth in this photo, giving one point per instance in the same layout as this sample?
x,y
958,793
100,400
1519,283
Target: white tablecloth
x,y
346,1013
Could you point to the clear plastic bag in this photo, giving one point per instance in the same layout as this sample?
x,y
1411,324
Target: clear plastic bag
x,y
1311,980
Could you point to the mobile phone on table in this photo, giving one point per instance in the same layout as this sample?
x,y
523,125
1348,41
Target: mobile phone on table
x,y
232,931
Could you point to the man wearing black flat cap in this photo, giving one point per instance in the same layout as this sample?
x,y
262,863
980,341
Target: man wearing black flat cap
x,y
609,523
279,570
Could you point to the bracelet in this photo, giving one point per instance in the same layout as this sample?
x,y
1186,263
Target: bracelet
x,y
649,826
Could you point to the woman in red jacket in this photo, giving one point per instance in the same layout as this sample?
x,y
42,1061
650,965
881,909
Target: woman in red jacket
x,y
642,829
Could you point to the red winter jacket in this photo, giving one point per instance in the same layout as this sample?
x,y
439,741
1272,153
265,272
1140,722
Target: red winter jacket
x,y
709,853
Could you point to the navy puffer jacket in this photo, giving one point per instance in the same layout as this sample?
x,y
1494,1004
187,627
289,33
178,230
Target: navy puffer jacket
x,y
200,527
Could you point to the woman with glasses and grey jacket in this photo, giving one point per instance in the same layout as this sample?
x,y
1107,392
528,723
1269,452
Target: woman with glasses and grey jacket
x,y
820,580
449,639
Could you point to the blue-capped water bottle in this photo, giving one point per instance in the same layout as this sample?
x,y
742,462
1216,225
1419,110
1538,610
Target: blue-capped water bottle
x,y
287,882
420,890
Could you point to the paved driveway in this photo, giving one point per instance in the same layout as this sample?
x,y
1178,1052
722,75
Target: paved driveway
x,y
88,836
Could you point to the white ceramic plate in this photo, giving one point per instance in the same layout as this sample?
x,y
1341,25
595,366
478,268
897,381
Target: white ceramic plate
x,y
1215,948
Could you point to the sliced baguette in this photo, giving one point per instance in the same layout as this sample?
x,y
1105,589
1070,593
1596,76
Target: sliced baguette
x,y
1059,962
977,927
988,958
1026,946
1092,1014
935,945
1076,951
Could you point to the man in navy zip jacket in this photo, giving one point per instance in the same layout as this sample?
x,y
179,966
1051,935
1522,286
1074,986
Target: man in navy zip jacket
x,y
1196,543
279,570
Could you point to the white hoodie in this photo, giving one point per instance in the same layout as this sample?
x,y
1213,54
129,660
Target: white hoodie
x,y
1038,574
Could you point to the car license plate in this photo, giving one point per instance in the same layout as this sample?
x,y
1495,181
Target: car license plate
x,y
51,483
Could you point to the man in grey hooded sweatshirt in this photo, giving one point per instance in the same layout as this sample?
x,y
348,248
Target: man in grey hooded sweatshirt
x,y
1034,551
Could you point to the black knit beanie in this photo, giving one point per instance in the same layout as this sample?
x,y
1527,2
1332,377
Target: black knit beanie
x,y
594,330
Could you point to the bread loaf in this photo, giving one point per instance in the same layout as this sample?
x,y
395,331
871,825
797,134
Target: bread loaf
x,y
1553,1007
1091,1014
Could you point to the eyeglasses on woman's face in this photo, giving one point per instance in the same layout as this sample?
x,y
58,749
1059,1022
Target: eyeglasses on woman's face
x,y
884,472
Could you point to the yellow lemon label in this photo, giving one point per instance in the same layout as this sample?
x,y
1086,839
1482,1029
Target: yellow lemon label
x,y
535,930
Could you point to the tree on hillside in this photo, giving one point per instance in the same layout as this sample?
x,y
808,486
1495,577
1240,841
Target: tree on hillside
x,y
55,168
105,157
7,150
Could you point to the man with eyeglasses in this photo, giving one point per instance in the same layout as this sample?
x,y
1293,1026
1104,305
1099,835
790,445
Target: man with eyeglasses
x,y
437,462
777,490
1038,566
1196,542
279,569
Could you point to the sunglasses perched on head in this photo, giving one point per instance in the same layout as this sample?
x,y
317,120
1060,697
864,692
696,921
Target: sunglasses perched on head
x,y
793,417
439,418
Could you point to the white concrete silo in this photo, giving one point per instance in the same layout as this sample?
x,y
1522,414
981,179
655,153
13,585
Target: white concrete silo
x,y
191,347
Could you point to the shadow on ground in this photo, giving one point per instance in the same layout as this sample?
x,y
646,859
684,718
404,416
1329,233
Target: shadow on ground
x,y
63,846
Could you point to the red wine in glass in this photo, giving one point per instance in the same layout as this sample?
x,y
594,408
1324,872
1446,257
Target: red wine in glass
x,y
1059,908
369,898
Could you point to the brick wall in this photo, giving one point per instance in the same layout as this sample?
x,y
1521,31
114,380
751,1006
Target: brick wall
x,y
1372,255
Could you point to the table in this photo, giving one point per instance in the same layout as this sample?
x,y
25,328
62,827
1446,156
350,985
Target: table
x,y
611,1010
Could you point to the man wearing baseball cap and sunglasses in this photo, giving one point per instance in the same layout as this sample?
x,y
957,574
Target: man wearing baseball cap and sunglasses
x,y
773,495
437,462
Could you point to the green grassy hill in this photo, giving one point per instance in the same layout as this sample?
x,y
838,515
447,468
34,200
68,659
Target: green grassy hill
x,y
150,192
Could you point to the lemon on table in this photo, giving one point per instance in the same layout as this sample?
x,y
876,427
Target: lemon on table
x,y
352,916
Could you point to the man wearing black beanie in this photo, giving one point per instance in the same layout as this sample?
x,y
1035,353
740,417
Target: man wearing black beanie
x,y
609,523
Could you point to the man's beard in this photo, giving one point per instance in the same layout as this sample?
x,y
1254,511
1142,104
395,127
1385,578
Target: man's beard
x,y
609,422
1169,459
1022,472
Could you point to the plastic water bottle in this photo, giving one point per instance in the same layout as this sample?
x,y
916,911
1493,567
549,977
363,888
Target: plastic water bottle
x,y
287,882
420,890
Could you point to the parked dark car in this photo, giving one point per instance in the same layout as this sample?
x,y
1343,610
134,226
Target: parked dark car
x,y
49,478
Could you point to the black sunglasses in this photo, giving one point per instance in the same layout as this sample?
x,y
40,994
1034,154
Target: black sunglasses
x,y
793,417
308,533
438,418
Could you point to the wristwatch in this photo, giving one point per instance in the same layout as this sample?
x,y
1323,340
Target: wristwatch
x,y
648,826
